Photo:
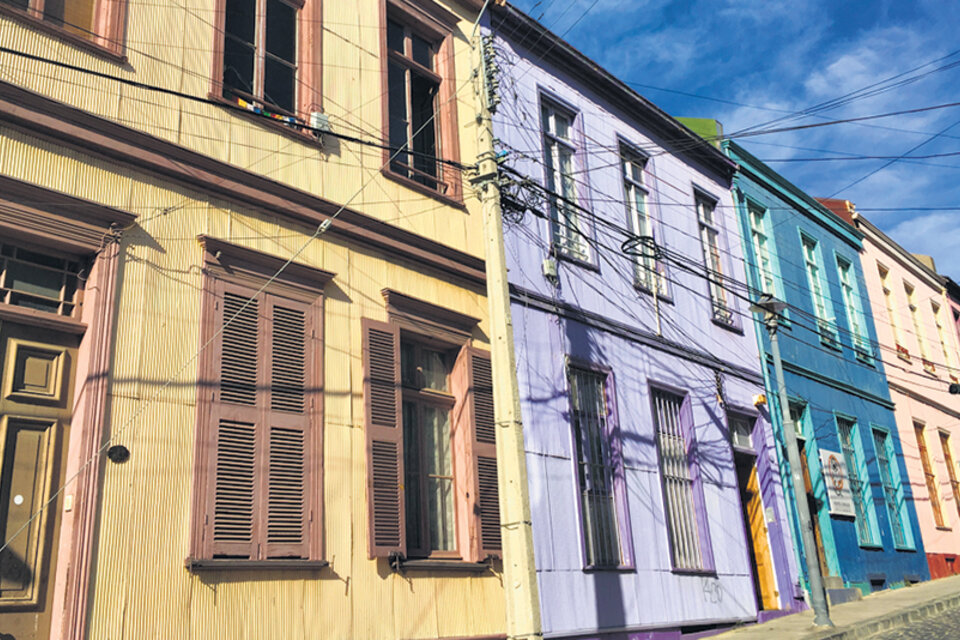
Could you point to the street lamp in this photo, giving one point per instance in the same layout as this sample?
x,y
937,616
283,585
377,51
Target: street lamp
x,y
771,309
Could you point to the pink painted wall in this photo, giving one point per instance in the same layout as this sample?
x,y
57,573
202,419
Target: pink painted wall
x,y
919,376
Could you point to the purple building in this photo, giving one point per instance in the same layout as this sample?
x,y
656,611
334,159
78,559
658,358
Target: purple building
x,y
656,501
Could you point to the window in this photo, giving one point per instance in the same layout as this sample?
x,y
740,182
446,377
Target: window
x,y
910,292
818,294
892,492
420,106
689,543
598,465
646,270
888,300
951,468
258,488
558,149
855,316
741,430
268,57
97,22
762,250
259,52
859,490
797,412
431,444
928,474
40,281
413,89
710,240
944,349
428,454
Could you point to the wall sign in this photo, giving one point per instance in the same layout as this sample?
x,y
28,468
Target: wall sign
x,y
837,481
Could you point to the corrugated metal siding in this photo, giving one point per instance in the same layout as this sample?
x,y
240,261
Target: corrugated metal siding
x,y
145,517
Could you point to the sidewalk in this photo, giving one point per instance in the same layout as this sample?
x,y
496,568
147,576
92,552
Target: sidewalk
x,y
864,618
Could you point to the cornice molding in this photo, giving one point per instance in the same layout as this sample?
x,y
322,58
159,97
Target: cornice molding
x,y
68,126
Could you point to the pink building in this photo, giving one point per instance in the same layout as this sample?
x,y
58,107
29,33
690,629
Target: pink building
x,y
917,330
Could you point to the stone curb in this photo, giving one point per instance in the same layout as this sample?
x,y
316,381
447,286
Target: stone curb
x,y
873,626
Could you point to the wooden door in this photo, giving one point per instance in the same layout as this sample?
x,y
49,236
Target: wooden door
x,y
36,396
761,560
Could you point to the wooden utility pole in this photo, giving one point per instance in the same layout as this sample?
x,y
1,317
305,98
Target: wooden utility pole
x,y
519,570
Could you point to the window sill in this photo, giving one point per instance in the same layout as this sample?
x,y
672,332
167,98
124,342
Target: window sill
x,y
831,343
233,564
620,569
562,254
870,546
287,130
42,319
694,572
944,528
662,297
45,26
726,325
906,549
444,565
453,201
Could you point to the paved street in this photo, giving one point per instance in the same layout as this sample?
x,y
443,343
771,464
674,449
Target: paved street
x,y
945,626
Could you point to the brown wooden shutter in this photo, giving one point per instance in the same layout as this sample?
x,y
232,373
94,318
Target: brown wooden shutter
x,y
485,454
231,522
383,417
289,469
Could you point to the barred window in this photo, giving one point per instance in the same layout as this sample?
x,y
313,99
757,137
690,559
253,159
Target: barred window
x,y
595,467
679,488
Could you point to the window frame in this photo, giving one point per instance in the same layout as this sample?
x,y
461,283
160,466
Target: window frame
x,y
573,243
436,25
819,287
308,77
951,465
476,505
859,475
723,311
929,475
611,433
910,291
701,521
106,40
242,270
937,309
645,268
853,305
896,482
445,400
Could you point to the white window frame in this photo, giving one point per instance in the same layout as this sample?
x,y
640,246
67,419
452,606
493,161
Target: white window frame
x,y
706,207
647,270
851,302
816,282
568,234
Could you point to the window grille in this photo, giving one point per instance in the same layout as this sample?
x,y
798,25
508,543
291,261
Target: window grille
x,y
678,485
595,467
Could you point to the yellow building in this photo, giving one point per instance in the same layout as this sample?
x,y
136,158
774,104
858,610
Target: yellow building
x,y
222,414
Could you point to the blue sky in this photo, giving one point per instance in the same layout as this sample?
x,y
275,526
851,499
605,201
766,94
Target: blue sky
x,y
776,57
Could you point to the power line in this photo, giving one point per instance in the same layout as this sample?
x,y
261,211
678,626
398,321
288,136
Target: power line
x,y
227,105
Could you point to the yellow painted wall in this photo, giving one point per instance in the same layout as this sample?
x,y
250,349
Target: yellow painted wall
x,y
141,588
170,44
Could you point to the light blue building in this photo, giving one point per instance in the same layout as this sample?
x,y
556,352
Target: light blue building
x,y
802,253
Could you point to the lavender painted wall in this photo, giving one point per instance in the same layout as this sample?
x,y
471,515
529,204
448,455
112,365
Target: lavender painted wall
x,y
596,315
